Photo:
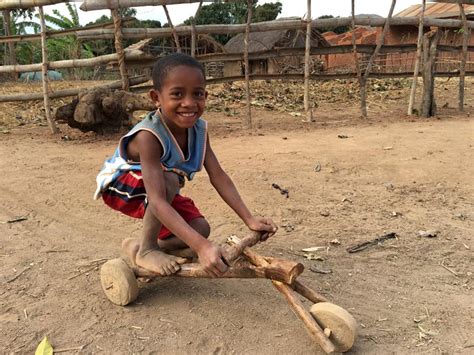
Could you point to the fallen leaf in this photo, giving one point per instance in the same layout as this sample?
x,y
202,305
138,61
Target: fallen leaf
x,y
44,348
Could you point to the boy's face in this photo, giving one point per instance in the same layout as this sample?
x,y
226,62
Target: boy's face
x,y
182,96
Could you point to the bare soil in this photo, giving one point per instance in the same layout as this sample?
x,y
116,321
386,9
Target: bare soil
x,y
392,173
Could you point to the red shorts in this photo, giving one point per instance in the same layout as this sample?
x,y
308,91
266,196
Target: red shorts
x,y
127,194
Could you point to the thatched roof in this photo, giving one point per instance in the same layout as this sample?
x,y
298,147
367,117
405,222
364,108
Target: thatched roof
x,y
260,41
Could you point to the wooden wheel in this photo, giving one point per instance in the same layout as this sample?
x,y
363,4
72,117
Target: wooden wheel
x,y
335,320
118,282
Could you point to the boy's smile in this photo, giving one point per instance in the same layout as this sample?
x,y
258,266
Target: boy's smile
x,y
182,97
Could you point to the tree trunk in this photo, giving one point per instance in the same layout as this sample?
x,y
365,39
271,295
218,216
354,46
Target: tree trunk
x,y
416,72
430,42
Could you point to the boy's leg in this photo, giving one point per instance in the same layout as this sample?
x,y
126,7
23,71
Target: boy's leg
x,y
149,255
200,225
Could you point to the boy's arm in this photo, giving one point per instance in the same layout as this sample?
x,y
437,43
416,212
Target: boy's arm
x,y
150,151
227,190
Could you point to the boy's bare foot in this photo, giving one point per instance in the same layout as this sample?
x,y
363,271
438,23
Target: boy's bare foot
x,y
153,259
187,253
159,262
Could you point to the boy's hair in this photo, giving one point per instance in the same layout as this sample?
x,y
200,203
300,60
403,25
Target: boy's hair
x,y
165,64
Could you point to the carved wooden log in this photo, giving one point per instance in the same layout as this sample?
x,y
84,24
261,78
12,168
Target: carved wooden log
x,y
99,109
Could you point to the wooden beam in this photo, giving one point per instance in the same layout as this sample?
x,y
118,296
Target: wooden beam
x,y
70,92
141,33
173,29
25,4
88,5
355,53
134,54
119,48
57,34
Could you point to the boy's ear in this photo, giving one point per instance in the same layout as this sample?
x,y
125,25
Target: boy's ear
x,y
154,97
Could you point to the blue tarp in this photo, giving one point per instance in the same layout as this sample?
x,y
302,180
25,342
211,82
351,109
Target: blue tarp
x,y
33,76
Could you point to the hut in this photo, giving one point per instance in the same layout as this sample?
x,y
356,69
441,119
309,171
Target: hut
x,y
261,41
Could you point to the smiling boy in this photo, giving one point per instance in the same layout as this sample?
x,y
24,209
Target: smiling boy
x,y
144,176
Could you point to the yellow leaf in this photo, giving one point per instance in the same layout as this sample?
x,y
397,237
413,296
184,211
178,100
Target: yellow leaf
x,y
44,348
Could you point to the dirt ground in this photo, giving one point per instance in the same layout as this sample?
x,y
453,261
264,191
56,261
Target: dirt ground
x,y
392,173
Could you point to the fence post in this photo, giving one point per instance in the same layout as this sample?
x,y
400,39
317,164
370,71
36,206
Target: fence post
x,y
462,68
44,70
356,57
246,62
119,48
307,64
430,42
416,72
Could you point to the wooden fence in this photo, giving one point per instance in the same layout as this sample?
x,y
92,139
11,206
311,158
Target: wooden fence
x,y
307,25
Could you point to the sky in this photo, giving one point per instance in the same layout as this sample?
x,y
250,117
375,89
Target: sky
x,y
179,13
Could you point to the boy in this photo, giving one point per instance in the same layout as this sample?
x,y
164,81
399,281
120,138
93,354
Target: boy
x,y
145,174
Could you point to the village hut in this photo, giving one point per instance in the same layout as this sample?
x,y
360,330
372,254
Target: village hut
x,y
262,41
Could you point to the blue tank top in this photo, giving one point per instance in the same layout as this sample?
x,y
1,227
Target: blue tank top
x,y
172,159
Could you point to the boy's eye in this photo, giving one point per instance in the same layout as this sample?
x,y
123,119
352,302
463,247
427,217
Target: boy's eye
x,y
176,94
199,94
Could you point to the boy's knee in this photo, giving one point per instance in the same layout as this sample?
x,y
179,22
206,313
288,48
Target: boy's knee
x,y
201,226
172,185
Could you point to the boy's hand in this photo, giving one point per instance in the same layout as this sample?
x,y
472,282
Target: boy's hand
x,y
211,257
263,224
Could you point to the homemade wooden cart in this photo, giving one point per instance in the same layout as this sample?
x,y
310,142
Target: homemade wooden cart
x,y
331,326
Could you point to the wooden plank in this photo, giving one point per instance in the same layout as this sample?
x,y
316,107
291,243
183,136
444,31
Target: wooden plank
x,y
462,68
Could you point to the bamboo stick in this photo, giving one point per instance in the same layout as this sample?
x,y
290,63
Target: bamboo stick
x,y
246,62
363,89
354,51
307,63
193,30
44,70
173,30
416,72
119,48
462,68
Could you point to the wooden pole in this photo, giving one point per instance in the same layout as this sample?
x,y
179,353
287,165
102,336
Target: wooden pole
x,y
193,30
363,89
119,48
307,64
11,46
356,56
430,42
462,68
246,62
44,70
173,30
416,72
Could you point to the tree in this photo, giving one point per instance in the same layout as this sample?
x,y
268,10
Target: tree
x,y
266,12
338,30
234,13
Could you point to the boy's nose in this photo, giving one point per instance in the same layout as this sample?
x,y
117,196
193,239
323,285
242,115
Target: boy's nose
x,y
188,102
